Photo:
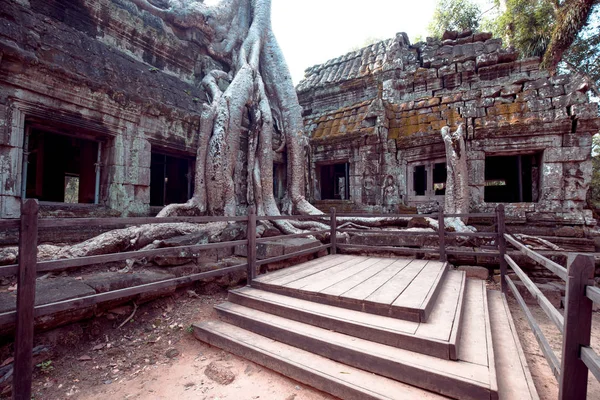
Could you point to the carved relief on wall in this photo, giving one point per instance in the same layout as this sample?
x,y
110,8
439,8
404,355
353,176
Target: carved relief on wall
x,y
391,199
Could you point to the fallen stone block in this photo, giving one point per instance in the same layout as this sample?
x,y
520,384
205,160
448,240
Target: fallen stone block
x,y
475,272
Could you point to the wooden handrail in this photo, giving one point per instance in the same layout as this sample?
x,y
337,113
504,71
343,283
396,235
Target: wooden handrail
x,y
537,332
551,265
552,313
591,360
593,293
295,235
62,264
294,254
119,221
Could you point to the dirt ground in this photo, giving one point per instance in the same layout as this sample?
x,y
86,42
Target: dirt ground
x,y
545,383
155,356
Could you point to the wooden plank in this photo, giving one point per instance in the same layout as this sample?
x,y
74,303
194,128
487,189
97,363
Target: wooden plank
x,y
441,321
473,253
471,234
319,217
269,276
442,234
410,250
294,254
514,378
333,231
418,291
431,297
473,342
389,232
330,277
251,246
551,358
295,235
9,270
551,265
578,326
451,378
327,262
119,221
390,290
356,279
337,379
552,313
390,331
9,223
591,360
458,319
62,264
490,346
369,286
28,238
593,293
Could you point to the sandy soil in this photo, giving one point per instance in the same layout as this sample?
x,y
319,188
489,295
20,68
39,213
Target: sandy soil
x,y
545,383
155,356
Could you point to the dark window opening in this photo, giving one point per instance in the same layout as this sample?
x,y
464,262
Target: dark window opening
x,y
439,179
512,179
335,182
420,180
170,179
279,180
61,168
370,121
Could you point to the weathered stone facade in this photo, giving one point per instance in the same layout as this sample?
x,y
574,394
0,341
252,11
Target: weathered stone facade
x,y
379,111
120,80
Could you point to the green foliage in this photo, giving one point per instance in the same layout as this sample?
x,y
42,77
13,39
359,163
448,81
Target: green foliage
x,y
366,42
526,25
454,15
45,366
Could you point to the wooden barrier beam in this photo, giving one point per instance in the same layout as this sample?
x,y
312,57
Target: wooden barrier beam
x,y
537,331
552,313
28,237
251,246
551,265
578,327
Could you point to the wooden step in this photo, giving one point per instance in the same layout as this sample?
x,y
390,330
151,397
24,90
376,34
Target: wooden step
x,y
400,288
514,377
437,337
313,370
456,379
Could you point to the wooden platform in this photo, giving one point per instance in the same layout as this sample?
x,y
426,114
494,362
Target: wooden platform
x,y
355,354
397,287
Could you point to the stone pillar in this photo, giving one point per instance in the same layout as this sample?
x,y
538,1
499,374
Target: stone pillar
x,y
12,128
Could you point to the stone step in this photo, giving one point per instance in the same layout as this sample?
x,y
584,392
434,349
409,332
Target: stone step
x,y
456,379
399,288
335,378
514,377
437,337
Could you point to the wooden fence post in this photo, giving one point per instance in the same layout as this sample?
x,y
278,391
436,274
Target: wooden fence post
x,y
333,234
442,234
578,326
28,237
501,242
251,247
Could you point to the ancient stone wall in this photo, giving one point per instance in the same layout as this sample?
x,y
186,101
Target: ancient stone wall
x,y
381,109
102,70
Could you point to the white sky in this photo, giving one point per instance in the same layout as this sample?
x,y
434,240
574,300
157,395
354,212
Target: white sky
x,y
313,31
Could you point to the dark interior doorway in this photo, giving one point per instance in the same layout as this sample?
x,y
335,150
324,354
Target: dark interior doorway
x,y
61,168
170,179
512,179
335,181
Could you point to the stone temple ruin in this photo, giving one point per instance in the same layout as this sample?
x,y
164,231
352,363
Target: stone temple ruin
x,y
374,118
99,113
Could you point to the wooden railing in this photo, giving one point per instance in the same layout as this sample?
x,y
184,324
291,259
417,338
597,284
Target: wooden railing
x,y
575,325
28,266
571,372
